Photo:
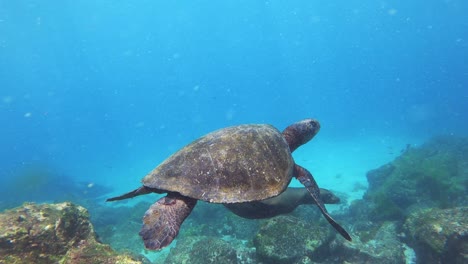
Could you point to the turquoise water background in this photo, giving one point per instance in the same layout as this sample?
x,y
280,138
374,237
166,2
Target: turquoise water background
x,y
100,92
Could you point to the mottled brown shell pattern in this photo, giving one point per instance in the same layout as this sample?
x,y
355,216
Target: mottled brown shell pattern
x,y
235,164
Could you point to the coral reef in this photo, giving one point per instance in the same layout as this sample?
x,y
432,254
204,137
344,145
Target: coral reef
x,y
439,236
52,233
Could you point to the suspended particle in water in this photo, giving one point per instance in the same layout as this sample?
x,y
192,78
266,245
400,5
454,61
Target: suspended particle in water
x,y
392,11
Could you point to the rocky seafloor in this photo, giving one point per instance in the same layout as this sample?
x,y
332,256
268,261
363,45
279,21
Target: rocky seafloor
x,y
415,210
53,233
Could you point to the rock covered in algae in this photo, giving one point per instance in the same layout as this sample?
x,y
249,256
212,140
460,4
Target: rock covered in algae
x,y
381,246
439,236
432,175
287,239
52,233
202,250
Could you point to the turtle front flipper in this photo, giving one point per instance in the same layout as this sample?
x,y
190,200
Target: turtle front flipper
x,y
162,220
306,178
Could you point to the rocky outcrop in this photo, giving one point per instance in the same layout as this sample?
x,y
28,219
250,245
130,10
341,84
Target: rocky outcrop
x,y
439,236
52,233
429,180
433,175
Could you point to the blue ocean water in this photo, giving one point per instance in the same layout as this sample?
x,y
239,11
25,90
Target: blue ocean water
x,y
102,91
95,87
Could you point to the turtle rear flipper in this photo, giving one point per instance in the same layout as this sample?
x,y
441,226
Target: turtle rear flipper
x,y
162,220
308,181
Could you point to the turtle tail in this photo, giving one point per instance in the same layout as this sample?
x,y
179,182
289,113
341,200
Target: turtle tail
x,y
306,178
140,191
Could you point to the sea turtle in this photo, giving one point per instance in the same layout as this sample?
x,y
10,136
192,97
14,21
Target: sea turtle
x,y
284,203
236,164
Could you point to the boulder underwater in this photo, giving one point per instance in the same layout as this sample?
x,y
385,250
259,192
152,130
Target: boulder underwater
x,y
53,233
287,239
439,235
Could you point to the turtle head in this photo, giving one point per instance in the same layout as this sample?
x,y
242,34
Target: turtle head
x,y
301,132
